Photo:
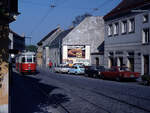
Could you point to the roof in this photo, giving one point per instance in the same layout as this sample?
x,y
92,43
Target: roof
x,y
62,35
124,7
15,34
47,36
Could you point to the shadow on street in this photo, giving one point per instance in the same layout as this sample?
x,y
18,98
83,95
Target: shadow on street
x,y
26,96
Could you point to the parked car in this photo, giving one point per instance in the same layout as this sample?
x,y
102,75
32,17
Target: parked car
x,y
64,69
146,79
119,73
57,69
94,71
79,64
76,69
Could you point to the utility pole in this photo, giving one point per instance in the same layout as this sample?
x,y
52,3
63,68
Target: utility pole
x,y
29,38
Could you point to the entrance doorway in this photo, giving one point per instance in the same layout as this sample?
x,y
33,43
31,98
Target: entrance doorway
x,y
120,61
131,64
111,62
97,61
146,64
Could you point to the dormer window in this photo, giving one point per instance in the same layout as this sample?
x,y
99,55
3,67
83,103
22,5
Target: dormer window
x,y
145,18
131,25
124,27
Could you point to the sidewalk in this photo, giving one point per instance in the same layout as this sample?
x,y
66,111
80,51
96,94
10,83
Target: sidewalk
x,y
4,95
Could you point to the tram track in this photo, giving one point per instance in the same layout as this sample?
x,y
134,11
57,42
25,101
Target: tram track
x,y
106,96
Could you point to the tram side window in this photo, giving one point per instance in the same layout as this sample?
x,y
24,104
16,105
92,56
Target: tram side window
x,y
23,59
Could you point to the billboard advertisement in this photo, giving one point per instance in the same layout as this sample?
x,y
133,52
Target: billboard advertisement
x,y
76,51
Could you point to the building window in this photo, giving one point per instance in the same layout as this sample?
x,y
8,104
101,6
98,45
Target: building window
x,y
131,25
145,37
124,27
116,29
145,18
110,30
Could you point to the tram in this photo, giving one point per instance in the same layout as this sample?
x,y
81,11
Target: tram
x,y
26,62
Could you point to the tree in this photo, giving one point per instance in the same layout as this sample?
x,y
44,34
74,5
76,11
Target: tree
x,y
80,18
31,48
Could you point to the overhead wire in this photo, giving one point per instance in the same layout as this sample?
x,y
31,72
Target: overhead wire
x,y
51,7
54,5
106,2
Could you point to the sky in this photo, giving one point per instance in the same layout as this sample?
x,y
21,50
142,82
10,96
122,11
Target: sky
x,y
38,17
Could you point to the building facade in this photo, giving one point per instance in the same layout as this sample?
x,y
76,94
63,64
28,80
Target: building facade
x,y
83,41
17,42
127,36
8,13
44,48
55,47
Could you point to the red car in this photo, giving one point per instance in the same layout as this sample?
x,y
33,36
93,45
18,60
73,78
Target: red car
x,y
119,73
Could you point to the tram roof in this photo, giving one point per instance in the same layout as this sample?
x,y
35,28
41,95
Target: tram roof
x,y
28,53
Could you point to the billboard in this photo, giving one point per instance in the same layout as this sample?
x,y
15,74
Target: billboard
x,y
76,51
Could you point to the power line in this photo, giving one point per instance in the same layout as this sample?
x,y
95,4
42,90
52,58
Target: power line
x,y
41,21
44,17
101,5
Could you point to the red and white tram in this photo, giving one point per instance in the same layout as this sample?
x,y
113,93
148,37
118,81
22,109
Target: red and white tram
x,y
26,62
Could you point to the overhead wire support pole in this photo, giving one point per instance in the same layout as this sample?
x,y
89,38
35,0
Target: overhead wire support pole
x,y
29,38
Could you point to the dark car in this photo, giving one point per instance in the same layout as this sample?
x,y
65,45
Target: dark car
x,y
94,71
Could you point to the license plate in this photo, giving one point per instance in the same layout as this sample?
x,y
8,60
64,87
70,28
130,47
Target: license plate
x,y
132,75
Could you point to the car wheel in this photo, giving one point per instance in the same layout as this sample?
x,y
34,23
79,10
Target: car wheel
x,y
118,79
94,75
75,73
102,76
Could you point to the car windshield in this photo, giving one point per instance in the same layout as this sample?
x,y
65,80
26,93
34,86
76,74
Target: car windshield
x,y
81,66
100,68
124,69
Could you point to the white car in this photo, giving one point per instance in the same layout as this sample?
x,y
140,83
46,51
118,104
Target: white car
x,y
57,69
64,69
77,69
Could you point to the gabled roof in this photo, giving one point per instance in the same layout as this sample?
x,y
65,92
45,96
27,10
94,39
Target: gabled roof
x,y
47,36
62,35
124,7
15,34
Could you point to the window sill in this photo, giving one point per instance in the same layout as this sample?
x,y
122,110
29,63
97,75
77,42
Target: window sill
x,y
145,22
124,33
109,35
115,34
130,32
146,43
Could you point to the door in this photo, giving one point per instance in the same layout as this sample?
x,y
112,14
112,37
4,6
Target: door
x,y
97,61
146,64
131,64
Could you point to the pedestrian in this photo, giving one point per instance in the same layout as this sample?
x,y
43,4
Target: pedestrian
x,y
50,64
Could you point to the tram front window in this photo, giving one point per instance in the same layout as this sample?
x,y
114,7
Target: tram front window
x,y
23,59
29,59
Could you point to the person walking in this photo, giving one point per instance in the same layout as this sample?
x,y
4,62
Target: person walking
x,y
50,64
